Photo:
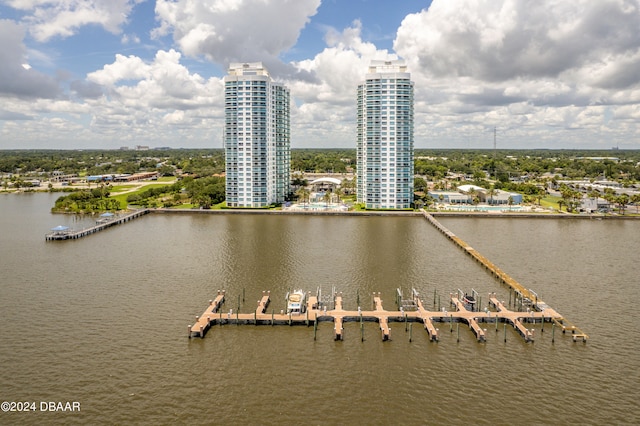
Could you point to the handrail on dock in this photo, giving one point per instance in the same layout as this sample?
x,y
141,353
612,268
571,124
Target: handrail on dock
x,y
73,235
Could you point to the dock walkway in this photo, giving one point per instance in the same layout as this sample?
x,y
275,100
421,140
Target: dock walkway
x,y
314,314
104,224
525,295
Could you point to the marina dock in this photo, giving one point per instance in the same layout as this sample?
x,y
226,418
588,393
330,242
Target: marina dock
x,y
530,309
64,233
522,296
315,314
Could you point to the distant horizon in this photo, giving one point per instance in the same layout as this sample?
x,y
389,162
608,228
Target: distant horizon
x,y
163,148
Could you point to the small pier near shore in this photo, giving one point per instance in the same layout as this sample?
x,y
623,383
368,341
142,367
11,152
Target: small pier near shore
x,y
316,312
64,233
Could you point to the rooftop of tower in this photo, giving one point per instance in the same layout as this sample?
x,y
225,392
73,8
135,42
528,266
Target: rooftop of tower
x,y
395,66
247,68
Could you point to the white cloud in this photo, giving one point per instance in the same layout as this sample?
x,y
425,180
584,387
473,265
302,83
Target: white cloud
x,y
17,77
525,67
234,30
62,18
327,114
544,73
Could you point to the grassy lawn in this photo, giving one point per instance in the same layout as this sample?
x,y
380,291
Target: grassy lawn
x,y
122,198
120,188
550,201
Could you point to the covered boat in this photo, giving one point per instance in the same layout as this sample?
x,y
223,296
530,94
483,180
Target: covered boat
x,y
296,302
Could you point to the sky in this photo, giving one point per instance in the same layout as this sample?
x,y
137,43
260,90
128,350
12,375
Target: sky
x,y
103,74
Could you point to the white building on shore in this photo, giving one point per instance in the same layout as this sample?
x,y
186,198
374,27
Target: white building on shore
x,y
257,139
385,137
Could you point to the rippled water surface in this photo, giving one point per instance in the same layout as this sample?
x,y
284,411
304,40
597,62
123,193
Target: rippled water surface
x,y
103,321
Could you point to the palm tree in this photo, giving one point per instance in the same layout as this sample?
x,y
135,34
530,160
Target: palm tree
x,y
428,201
492,191
510,202
326,198
622,201
635,199
303,194
339,192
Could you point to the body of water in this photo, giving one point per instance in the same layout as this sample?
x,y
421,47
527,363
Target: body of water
x,y
102,321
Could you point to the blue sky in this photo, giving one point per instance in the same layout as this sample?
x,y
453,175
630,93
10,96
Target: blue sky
x,y
111,73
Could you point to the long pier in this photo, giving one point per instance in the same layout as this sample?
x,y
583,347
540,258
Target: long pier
x,y
526,297
316,313
73,235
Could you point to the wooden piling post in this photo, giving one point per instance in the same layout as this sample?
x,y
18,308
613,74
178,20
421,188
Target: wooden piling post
x,y
451,323
542,326
410,332
505,332
315,326
457,332
553,332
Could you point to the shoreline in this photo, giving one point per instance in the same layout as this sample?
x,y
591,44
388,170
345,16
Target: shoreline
x,y
418,213
467,214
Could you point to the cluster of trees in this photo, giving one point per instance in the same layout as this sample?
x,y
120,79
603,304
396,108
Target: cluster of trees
x,y
323,160
206,192
571,198
155,196
432,163
201,162
200,192
503,164
87,201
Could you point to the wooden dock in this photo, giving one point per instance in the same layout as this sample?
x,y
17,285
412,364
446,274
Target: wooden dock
x,y
70,234
526,297
315,314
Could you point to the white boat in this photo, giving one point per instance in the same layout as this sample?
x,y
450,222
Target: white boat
x,y
469,302
296,302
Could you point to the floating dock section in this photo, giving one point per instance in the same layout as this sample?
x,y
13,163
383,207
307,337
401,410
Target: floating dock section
x,y
69,234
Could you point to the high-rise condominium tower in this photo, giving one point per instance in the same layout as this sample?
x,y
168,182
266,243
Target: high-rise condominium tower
x,y
385,137
257,139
